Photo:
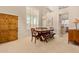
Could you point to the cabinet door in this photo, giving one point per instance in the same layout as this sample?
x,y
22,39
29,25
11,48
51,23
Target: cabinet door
x,y
77,36
74,35
13,22
3,36
13,27
70,35
13,35
3,22
8,28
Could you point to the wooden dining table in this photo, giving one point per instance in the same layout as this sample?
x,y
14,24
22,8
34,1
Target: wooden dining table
x,y
43,33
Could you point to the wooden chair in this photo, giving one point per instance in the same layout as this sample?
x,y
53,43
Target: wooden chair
x,y
52,32
45,36
34,34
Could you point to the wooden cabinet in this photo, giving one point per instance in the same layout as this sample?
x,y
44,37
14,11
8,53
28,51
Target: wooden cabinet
x,y
73,35
8,27
3,36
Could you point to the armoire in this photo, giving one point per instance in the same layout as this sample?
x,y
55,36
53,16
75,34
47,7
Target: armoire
x,y
8,27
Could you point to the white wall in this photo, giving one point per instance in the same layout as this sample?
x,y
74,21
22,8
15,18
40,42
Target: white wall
x,y
55,14
56,20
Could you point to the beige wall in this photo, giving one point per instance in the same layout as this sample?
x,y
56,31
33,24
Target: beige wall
x,y
74,13
21,13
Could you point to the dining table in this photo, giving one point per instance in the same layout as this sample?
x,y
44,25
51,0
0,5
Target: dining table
x,y
43,33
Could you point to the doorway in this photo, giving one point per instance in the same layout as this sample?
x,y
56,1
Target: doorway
x,y
64,22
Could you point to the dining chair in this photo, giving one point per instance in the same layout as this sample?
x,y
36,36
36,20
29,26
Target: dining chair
x,y
45,36
34,34
52,32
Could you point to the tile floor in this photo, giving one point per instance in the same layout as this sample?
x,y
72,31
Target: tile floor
x,y
26,46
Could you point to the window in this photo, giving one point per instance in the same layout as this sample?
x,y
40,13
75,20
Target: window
x,y
32,17
28,19
28,22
